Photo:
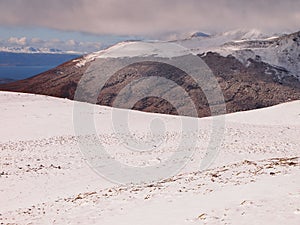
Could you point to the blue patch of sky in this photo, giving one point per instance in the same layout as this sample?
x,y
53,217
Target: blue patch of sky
x,y
48,34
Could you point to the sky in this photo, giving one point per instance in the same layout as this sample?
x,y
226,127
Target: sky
x,y
104,22
83,42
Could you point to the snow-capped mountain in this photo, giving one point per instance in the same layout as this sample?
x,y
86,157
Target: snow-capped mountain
x,y
197,43
32,50
37,45
280,52
46,177
200,44
253,71
199,34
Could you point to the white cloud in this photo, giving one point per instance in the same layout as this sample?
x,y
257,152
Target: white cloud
x,y
71,43
17,41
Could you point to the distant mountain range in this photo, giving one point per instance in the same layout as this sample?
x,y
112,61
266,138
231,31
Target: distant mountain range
x,y
253,71
29,49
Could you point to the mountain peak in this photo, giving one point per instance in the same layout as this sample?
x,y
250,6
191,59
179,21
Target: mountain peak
x,y
199,34
244,34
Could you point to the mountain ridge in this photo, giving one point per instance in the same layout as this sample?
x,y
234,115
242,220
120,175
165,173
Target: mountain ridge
x,y
249,84
35,50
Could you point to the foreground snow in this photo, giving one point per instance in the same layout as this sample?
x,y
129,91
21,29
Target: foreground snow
x,y
45,179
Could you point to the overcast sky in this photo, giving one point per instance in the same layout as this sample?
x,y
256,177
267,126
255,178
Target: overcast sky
x,y
152,17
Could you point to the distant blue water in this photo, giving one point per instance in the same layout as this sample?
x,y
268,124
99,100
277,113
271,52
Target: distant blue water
x,y
22,72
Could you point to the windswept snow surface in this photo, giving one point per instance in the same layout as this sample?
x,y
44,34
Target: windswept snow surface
x,y
46,180
136,49
196,45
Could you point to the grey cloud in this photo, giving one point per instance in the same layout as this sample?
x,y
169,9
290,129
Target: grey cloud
x,y
152,17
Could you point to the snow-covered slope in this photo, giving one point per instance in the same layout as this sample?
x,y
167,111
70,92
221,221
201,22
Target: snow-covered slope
x,y
136,49
196,44
278,51
281,52
200,45
46,180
